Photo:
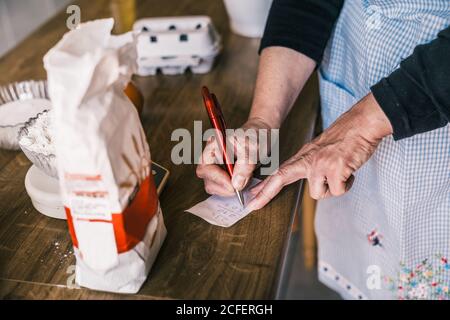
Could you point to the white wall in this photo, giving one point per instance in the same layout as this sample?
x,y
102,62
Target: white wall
x,y
18,18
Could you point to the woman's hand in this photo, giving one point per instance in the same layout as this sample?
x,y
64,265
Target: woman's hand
x,y
282,74
246,150
330,160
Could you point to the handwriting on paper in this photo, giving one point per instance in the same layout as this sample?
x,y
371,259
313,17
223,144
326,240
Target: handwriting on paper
x,y
223,211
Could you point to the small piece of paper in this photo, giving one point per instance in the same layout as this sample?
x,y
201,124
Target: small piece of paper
x,y
224,211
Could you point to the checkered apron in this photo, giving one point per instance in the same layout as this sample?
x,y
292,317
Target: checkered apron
x,y
389,236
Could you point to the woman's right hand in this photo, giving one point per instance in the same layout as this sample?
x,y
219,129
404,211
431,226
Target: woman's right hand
x,y
282,73
246,146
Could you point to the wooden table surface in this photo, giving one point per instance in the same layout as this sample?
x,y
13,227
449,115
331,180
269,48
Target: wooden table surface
x,y
197,260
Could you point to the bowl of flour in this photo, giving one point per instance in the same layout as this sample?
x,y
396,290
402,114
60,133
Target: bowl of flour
x,y
35,140
19,102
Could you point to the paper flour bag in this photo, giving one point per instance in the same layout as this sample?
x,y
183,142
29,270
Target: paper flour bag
x,y
103,159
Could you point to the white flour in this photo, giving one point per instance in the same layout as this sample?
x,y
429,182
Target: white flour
x,y
13,115
39,137
17,112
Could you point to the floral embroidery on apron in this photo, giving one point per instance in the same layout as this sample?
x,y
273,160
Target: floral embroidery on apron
x,y
403,191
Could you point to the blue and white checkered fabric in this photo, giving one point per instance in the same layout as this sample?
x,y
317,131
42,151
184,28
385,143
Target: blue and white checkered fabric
x,y
403,191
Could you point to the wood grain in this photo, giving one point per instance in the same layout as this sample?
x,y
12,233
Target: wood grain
x,y
197,260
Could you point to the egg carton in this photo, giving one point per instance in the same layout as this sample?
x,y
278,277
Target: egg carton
x,y
173,45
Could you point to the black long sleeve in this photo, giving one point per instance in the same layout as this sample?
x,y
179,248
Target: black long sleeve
x,y
302,25
416,97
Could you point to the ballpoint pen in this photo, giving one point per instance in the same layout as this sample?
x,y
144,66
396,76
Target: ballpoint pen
x,y
218,122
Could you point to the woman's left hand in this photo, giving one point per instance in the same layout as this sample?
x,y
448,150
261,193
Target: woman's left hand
x,y
330,160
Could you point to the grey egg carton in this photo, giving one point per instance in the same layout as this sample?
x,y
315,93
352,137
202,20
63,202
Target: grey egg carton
x,y
174,45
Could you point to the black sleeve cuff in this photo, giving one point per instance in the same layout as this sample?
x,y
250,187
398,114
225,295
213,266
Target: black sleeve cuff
x,y
416,96
392,108
409,110
302,25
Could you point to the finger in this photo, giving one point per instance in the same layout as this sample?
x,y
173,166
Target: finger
x,y
317,186
242,173
269,190
211,154
336,186
246,159
213,188
288,173
293,170
213,173
257,188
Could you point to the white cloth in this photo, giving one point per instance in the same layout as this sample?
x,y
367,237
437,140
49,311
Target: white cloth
x,y
103,159
395,221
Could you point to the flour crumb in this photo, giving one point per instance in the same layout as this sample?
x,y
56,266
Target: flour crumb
x,y
39,136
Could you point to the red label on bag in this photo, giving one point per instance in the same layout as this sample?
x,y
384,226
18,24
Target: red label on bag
x,y
130,226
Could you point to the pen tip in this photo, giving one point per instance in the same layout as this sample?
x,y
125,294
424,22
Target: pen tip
x,y
241,198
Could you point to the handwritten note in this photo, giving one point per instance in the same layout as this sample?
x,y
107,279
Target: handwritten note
x,y
223,211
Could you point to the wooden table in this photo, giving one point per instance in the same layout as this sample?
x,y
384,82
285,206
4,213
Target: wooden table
x,y
197,260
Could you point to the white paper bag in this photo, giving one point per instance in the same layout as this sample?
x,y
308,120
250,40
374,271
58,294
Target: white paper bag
x,y
104,165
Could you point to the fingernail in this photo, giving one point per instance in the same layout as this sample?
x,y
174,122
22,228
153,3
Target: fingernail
x,y
238,182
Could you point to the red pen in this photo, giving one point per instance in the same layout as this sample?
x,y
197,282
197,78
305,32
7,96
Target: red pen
x,y
218,123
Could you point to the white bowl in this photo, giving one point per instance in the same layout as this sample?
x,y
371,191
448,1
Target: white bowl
x,y
44,161
31,97
44,193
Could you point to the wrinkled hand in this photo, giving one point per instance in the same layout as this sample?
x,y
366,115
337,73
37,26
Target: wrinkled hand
x,y
216,179
329,161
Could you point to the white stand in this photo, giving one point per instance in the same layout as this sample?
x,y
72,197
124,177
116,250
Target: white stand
x,y
44,193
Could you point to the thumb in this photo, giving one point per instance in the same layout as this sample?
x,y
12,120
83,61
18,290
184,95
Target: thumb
x,y
289,172
268,190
